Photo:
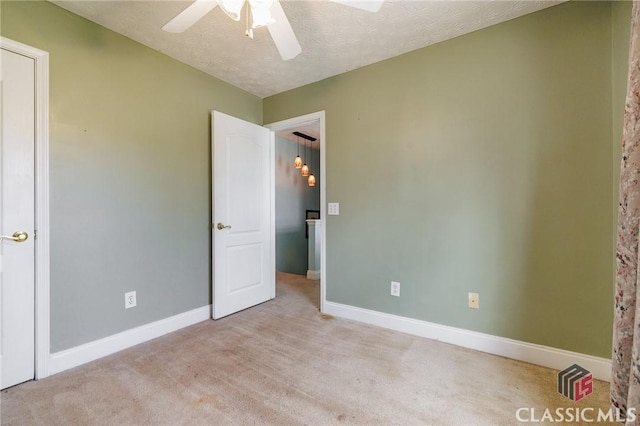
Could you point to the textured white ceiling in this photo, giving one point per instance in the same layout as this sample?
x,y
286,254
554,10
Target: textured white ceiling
x,y
335,38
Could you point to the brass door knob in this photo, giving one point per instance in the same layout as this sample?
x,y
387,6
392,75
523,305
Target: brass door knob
x,y
18,237
220,226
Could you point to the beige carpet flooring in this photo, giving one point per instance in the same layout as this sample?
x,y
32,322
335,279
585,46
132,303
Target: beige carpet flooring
x,y
284,363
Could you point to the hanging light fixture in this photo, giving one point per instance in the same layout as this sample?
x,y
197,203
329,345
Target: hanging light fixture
x,y
312,179
259,11
305,169
298,161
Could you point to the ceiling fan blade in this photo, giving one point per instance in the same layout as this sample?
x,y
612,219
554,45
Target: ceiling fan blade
x,y
282,33
368,5
190,16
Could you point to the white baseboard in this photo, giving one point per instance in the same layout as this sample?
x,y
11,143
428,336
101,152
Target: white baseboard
x,y
546,356
313,275
91,351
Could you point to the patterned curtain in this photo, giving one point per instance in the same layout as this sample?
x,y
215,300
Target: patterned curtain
x,y
625,380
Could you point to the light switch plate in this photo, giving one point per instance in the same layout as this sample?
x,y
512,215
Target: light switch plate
x,y
334,209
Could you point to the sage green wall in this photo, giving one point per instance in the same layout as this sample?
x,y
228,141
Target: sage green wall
x,y
485,166
130,192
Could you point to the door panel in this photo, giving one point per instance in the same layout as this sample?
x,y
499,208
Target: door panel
x,y
244,278
245,183
17,259
243,258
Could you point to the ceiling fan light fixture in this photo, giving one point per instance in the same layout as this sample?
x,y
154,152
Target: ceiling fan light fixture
x,y
261,17
261,4
233,8
260,12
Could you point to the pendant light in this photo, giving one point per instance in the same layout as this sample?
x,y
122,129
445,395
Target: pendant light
x,y
305,169
298,161
312,179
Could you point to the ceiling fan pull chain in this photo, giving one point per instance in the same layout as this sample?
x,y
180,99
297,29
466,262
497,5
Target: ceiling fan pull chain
x,y
249,31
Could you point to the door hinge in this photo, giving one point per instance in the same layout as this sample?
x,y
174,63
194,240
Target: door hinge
x,y
35,234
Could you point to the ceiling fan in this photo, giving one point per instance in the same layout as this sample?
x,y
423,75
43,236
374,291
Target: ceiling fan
x,y
267,13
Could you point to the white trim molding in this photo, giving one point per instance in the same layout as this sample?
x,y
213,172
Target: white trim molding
x,y
313,275
42,274
545,356
64,360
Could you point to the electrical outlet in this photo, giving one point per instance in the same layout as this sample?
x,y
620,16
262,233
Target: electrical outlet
x,y
474,300
395,288
130,300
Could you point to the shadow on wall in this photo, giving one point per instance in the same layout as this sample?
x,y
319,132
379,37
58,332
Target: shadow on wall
x,y
292,252
293,198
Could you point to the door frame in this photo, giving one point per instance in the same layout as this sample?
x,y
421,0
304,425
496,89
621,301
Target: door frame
x,y
41,193
298,121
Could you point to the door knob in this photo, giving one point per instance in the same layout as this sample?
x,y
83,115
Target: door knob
x,y
220,226
18,237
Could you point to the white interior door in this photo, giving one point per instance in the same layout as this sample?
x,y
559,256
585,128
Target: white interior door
x,y
17,258
243,223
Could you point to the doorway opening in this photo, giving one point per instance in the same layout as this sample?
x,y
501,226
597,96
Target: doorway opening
x,y
300,208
